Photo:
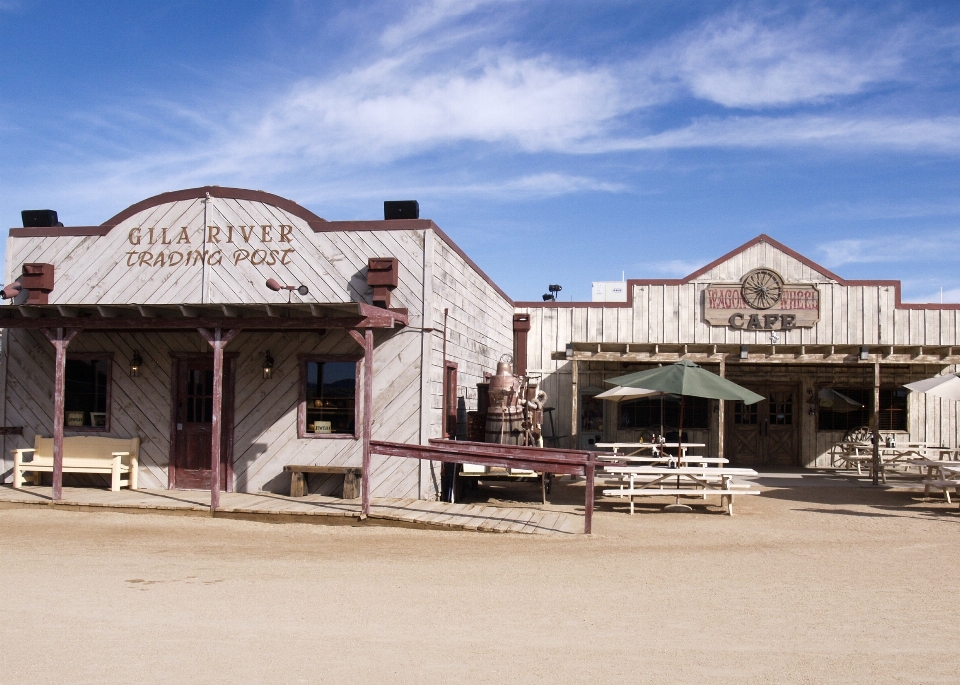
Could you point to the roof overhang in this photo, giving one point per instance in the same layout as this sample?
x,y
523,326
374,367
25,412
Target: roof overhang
x,y
170,317
666,353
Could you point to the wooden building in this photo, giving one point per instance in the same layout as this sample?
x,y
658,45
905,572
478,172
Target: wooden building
x,y
150,310
821,348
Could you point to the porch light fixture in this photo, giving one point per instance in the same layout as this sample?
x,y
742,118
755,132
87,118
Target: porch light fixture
x,y
864,352
135,363
276,286
744,352
267,365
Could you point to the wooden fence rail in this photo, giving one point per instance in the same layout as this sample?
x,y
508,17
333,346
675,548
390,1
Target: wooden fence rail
x,y
573,462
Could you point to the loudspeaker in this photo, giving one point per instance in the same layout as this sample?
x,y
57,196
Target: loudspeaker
x,y
401,209
39,218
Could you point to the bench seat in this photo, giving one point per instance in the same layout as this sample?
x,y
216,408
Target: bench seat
x,y
352,478
726,495
82,454
940,484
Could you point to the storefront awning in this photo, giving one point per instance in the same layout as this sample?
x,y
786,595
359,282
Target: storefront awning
x,y
668,353
266,317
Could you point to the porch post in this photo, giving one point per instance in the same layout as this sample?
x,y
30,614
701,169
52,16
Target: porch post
x,y
60,338
721,413
574,407
218,340
366,341
875,423
367,417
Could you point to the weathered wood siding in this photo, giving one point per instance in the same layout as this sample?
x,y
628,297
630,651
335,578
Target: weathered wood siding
x,y
222,250
673,313
265,423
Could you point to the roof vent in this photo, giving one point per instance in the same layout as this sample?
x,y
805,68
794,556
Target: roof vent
x,y
401,209
39,218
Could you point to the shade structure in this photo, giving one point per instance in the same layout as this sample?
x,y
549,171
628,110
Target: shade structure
x,y
622,394
837,401
947,386
689,379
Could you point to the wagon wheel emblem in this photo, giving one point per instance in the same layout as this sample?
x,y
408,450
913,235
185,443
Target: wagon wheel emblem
x,y
762,288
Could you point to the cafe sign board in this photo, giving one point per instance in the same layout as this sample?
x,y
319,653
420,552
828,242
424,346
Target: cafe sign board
x,y
762,301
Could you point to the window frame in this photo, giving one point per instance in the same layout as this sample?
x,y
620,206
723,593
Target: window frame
x,y
868,405
303,360
88,357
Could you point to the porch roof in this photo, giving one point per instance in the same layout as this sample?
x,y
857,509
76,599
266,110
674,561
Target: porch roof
x,y
707,353
243,316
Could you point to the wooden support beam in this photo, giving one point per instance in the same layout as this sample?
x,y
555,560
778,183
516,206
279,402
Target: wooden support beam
x,y
575,402
721,414
60,338
875,423
366,341
218,340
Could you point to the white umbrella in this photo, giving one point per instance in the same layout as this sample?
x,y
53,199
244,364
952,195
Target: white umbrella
x,y
621,394
940,386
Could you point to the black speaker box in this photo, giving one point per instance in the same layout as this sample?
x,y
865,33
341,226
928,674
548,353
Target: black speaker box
x,y
39,218
401,209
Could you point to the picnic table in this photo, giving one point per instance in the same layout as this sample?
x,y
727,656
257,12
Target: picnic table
x,y
630,449
649,481
941,474
660,459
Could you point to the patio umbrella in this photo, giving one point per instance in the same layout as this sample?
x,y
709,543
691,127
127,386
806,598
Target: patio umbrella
x,y
837,401
940,386
686,379
622,394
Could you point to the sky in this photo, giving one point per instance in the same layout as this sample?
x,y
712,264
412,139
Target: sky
x,y
556,142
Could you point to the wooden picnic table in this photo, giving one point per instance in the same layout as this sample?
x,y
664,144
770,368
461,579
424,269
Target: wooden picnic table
x,y
661,459
648,481
635,448
941,474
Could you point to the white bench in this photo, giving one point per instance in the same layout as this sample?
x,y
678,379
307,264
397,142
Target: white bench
x,y
82,454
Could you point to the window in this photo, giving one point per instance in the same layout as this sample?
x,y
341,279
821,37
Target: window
x,y
839,410
328,404
646,413
86,398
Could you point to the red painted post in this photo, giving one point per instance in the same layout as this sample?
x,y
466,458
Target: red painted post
x,y
588,499
60,340
218,340
367,417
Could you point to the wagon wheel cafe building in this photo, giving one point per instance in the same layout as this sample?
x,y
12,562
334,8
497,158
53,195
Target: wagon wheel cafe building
x,y
221,320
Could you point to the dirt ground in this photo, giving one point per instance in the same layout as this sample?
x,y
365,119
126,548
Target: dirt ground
x,y
823,581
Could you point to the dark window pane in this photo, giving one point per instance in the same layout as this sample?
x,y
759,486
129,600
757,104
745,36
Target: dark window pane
x,y
330,397
837,411
646,413
85,393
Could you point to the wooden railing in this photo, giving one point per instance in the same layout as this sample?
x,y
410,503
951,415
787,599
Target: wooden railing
x,y
543,460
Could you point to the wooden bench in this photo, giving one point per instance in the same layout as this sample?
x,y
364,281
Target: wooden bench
x,y
352,478
943,484
82,454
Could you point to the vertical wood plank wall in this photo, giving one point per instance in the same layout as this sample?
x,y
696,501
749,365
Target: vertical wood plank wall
x,y
673,314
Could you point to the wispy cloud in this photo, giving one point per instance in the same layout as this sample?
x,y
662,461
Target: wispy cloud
x,y
931,247
749,62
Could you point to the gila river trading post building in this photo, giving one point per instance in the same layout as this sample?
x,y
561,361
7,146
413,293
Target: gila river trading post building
x,y
240,314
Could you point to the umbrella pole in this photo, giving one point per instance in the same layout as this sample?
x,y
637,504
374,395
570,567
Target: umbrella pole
x,y
680,445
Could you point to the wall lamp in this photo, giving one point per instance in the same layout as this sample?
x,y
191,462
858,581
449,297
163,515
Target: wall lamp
x,y
864,352
274,285
267,365
744,352
135,363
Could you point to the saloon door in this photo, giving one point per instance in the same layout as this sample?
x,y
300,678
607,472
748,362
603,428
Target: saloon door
x,y
765,434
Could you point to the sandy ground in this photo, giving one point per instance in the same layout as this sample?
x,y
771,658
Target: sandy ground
x,y
821,582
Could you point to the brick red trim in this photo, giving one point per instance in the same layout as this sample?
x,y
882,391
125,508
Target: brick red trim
x,y
762,238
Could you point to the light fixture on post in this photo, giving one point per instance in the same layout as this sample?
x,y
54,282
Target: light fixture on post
x,y
267,365
135,363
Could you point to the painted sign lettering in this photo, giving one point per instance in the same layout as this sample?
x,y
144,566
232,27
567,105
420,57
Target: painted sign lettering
x,y
264,244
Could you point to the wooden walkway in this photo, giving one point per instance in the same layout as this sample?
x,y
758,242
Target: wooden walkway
x,y
310,509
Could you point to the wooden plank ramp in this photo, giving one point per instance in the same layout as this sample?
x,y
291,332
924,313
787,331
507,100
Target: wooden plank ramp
x,y
310,509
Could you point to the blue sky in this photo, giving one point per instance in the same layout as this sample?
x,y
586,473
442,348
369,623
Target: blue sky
x,y
556,142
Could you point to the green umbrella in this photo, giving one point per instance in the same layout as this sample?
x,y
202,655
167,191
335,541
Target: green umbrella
x,y
686,378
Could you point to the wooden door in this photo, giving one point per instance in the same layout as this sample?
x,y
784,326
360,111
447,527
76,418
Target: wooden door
x,y
193,421
766,433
